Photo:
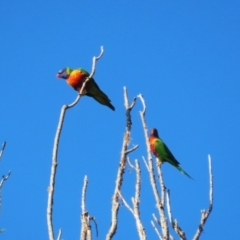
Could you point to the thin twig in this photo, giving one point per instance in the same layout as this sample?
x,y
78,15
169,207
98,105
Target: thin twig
x,y
205,213
160,207
171,237
125,203
131,149
130,164
168,206
174,223
95,222
59,234
145,162
2,149
55,152
4,178
156,230
126,139
156,220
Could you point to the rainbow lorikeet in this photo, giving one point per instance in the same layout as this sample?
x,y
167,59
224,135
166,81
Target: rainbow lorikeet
x,y
161,151
76,77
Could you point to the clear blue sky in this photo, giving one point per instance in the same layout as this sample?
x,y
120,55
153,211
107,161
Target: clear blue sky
x,y
183,56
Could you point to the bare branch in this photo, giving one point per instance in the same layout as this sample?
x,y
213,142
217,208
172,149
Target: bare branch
x,y
86,233
55,152
126,139
205,213
135,210
156,220
174,223
133,103
130,164
84,189
95,222
160,177
143,103
4,178
125,203
136,201
131,149
144,160
2,149
93,70
159,205
171,237
59,234
84,214
156,230
168,206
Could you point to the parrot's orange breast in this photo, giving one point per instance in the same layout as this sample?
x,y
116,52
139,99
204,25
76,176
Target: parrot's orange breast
x,y
76,79
152,142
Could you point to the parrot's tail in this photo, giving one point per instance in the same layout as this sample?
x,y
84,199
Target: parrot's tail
x,y
104,101
182,171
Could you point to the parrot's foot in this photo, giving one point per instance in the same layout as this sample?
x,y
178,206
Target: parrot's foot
x,y
159,163
84,92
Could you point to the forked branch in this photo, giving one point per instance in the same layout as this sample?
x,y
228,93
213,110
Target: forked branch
x,y
174,222
55,151
206,213
126,139
135,210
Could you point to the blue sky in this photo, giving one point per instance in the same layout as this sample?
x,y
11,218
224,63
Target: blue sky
x,y
183,56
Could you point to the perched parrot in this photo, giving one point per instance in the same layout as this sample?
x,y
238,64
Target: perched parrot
x,y
161,151
75,78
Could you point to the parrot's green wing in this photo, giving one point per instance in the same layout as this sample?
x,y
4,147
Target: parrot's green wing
x,y
164,152
93,90
165,155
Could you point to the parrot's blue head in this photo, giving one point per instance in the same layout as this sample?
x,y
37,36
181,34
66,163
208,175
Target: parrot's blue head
x,y
154,133
64,73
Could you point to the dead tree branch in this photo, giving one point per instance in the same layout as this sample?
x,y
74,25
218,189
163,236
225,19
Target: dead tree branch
x,y
135,210
126,139
4,178
206,213
160,177
85,220
59,234
159,205
156,229
55,151
174,222
2,149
